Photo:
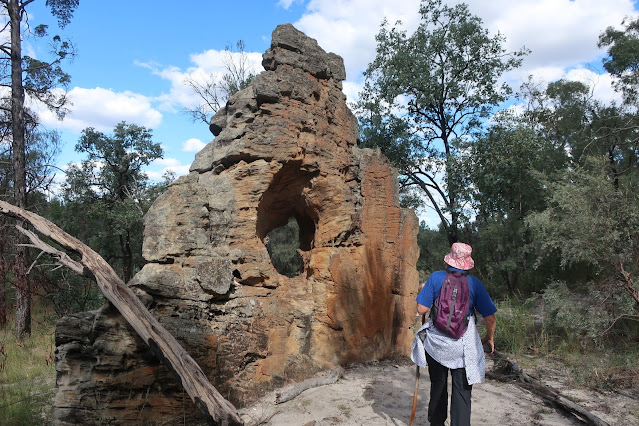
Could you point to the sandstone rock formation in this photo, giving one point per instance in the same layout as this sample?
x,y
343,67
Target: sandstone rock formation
x,y
285,147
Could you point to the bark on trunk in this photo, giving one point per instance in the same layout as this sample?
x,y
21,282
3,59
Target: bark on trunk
x,y
3,277
23,287
3,299
215,408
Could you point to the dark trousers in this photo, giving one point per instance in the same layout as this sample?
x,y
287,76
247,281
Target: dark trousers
x,y
460,399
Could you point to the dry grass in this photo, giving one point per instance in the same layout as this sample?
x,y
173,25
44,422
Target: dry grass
x,y
27,372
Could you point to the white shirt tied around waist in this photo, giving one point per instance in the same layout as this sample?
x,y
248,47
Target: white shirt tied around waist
x,y
465,352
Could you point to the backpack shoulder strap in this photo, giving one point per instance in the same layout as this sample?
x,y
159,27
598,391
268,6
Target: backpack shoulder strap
x,y
457,273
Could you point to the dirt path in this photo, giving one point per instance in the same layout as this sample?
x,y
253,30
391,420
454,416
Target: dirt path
x,y
382,393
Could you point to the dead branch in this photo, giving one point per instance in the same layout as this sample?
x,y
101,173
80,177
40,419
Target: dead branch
x,y
629,284
215,408
292,391
509,371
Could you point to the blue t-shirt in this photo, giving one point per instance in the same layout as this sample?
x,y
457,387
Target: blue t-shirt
x,y
479,298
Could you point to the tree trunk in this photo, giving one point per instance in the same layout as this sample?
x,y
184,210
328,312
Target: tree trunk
x,y
3,297
22,284
127,257
167,349
3,274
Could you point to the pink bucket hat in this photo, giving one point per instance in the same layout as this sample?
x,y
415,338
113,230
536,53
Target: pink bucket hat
x,y
459,256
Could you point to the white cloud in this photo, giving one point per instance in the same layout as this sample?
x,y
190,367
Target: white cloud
x,y
193,145
349,29
600,84
544,73
166,162
156,174
208,64
103,109
559,33
286,3
562,35
351,90
429,216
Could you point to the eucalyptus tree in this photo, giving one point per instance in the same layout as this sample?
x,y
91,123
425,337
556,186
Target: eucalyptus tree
x,y
591,221
619,128
34,78
106,195
623,57
426,92
508,163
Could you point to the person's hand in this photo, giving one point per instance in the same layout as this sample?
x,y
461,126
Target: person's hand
x,y
491,343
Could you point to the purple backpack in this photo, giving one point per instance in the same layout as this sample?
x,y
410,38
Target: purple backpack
x,y
450,310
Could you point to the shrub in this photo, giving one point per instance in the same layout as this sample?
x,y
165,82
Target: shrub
x,y
589,317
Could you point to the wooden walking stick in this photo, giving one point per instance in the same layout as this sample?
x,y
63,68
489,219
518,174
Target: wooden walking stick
x,y
412,413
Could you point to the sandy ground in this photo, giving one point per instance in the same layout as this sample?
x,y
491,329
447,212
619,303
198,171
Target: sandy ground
x,y
381,393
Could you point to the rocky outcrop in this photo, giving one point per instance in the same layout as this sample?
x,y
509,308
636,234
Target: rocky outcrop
x,y
285,147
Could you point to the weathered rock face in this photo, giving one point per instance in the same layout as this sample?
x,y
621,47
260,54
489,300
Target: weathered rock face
x,y
285,147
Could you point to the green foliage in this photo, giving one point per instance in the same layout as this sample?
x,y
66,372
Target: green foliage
x,y
507,162
113,169
41,149
517,161
589,221
549,330
433,246
560,114
520,329
63,10
70,293
25,78
282,245
40,77
106,195
425,92
623,60
586,317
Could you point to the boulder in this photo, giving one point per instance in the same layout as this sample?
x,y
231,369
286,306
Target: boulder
x,y
285,147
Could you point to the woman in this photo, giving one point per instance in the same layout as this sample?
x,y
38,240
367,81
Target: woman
x,y
463,357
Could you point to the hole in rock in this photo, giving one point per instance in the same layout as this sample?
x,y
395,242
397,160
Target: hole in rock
x,y
286,219
282,245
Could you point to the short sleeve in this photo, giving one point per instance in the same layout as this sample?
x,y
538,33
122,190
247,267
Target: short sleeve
x,y
483,303
427,295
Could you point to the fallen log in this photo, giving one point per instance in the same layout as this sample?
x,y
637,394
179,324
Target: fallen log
x,y
215,408
288,393
292,391
508,371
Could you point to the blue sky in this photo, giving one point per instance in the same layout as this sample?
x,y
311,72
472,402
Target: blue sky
x,y
133,56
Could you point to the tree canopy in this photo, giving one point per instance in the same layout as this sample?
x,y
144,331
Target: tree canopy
x,y
426,92
623,57
106,195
